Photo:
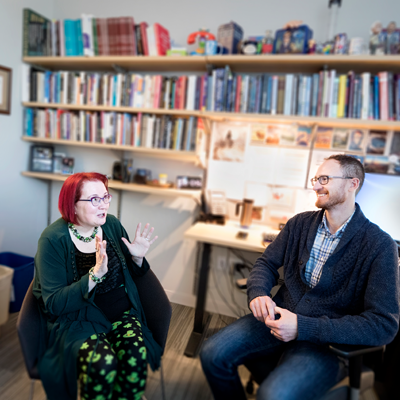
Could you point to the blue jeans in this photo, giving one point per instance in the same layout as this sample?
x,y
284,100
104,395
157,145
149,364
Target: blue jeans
x,y
294,370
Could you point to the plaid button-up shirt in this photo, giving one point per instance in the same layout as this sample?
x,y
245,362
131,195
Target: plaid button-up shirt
x,y
324,245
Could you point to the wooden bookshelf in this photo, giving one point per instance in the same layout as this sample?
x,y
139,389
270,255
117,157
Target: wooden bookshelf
x,y
301,63
117,185
132,110
321,121
220,116
179,155
131,63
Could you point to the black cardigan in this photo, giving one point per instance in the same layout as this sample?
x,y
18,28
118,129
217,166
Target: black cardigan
x,y
357,298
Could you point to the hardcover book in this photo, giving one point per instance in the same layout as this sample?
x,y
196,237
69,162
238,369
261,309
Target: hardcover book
x,y
35,28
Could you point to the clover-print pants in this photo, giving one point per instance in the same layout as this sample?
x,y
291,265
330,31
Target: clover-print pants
x,y
117,370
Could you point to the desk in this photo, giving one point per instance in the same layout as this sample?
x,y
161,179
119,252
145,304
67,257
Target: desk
x,y
219,235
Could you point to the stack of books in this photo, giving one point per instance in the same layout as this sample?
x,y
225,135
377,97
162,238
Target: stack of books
x,y
90,36
145,130
323,94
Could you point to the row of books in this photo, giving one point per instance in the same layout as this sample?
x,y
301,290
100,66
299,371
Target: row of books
x,y
90,36
323,94
145,130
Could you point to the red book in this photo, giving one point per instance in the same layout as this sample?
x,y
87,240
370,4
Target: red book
x,y
183,93
201,92
177,99
100,43
157,91
163,42
238,89
143,32
59,113
112,27
127,45
383,95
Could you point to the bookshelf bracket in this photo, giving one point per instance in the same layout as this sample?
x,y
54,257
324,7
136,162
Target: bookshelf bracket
x,y
118,69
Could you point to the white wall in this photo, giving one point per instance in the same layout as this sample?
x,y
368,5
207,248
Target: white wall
x,y
182,17
23,201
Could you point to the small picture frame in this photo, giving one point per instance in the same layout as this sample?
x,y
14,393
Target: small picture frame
x,y
67,165
41,159
5,90
57,162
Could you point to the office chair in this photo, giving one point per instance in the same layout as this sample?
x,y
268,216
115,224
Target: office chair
x,y
155,304
360,378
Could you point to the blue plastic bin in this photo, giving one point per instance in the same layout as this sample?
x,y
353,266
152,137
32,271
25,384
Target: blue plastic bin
x,y
23,274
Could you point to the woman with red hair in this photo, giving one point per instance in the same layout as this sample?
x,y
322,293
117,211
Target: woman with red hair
x,y
93,325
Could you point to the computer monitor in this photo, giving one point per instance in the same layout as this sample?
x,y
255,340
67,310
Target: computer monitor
x,y
379,200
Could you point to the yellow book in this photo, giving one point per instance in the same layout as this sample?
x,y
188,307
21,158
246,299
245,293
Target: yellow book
x,y
341,96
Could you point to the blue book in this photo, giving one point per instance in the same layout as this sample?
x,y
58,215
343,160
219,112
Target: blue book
x,y
228,98
173,87
179,134
70,37
251,104
197,96
79,38
87,126
209,92
233,95
376,97
114,94
189,134
47,76
28,121
259,82
269,96
264,93
203,101
307,107
314,102
219,89
227,77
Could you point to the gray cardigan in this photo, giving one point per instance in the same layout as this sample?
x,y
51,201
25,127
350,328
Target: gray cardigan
x,y
357,298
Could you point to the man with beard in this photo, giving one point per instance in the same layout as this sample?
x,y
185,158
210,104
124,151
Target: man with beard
x,y
341,286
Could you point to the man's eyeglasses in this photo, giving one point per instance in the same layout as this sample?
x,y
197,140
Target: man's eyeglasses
x,y
324,179
96,200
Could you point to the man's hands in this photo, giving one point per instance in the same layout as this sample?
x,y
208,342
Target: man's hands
x,y
284,328
264,309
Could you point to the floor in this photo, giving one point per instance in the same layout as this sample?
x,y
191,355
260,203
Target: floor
x,y
184,379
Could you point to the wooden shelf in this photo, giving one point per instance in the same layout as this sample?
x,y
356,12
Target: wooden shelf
x,y
179,155
282,63
112,108
220,116
117,185
321,121
239,63
131,63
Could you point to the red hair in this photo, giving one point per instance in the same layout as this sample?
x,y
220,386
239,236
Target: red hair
x,y
71,192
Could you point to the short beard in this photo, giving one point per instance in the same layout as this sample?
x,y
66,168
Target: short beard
x,y
340,198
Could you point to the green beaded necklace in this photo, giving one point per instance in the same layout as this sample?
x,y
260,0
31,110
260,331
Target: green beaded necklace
x,y
79,236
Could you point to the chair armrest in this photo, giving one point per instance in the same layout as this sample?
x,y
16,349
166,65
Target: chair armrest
x,y
354,354
348,350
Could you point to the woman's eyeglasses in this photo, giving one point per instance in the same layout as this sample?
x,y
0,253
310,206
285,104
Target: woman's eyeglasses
x,y
97,200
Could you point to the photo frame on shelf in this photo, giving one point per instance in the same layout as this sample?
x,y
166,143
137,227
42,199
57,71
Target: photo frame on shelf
x,y
5,90
41,158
